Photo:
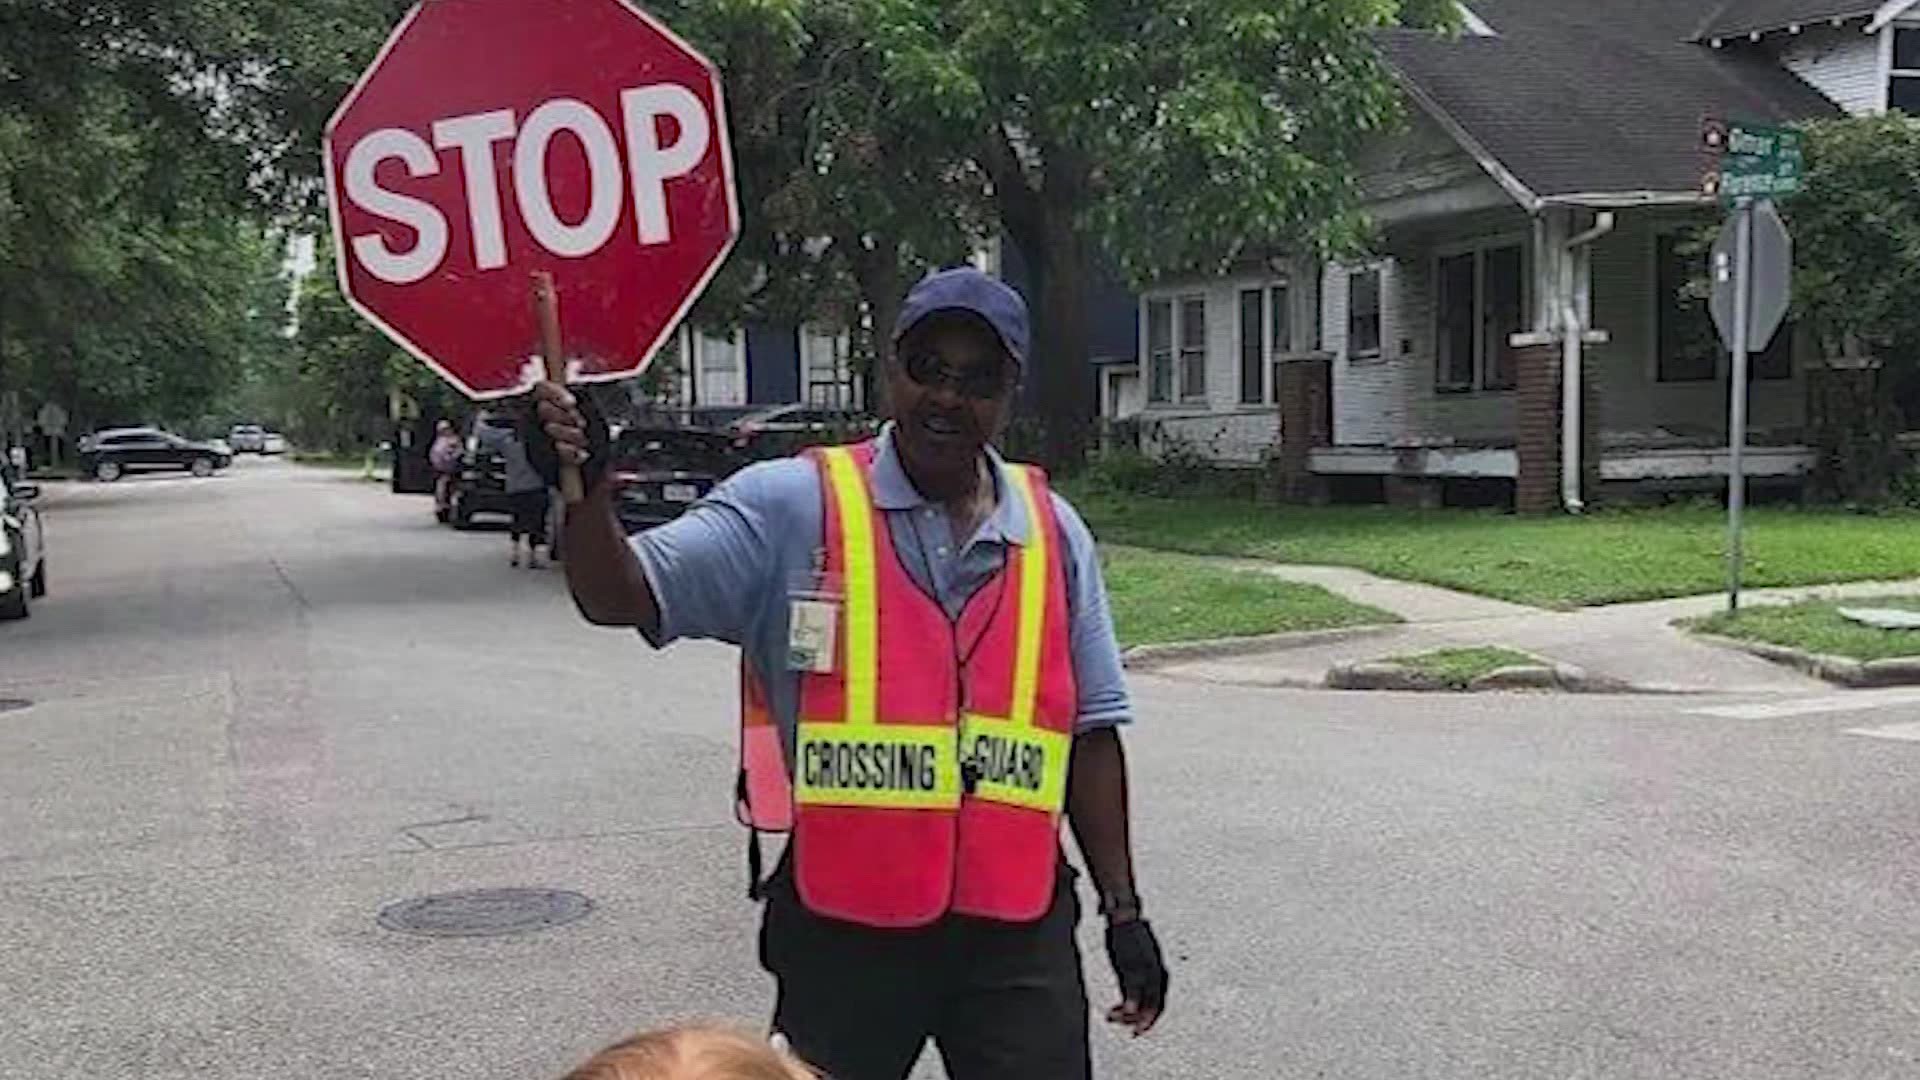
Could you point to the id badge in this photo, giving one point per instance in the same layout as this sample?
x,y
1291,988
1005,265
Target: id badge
x,y
812,623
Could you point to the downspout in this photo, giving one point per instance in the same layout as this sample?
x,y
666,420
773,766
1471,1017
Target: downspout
x,y
1576,276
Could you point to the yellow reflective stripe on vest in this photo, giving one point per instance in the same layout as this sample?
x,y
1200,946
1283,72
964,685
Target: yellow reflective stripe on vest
x,y
1033,601
859,761
906,766
860,611
1017,763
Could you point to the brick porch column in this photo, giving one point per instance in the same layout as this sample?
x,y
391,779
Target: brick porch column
x,y
1537,487
1306,421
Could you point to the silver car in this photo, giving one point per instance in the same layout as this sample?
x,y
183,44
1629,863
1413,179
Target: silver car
x,y
23,555
248,439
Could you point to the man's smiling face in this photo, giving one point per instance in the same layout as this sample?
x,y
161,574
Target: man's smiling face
x,y
950,388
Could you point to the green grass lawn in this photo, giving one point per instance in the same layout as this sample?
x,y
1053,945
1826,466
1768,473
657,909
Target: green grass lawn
x,y
328,459
1817,627
1559,561
1159,598
1458,668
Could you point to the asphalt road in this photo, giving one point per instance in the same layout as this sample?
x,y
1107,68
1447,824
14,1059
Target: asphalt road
x,y
268,704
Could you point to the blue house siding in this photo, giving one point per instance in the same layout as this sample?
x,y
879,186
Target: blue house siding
x,y
773,364
1113,310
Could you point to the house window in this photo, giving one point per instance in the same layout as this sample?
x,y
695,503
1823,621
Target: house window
x,y
1363,313
1265,332
1253,352
719,369
1459,330
1689,350
1503,297
1192,334
1159,350
1280,319
826,367
1903,87
1479,303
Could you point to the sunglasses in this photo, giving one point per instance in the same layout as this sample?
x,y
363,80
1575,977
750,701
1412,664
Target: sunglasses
x,y
926,368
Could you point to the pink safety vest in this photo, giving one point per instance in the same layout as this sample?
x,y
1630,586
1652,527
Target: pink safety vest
x,y
930,764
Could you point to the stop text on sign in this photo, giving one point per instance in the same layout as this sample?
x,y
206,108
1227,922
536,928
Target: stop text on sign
x,y
639,176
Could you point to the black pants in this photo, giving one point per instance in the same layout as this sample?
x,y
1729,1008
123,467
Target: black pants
x,y
529,515
1000,1001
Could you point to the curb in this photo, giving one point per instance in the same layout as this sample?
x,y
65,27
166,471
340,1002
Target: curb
x,y
1148,657
1845,671
1560,678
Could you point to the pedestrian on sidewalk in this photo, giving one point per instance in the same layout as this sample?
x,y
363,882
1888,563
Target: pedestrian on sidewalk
x,y
930,682
499,432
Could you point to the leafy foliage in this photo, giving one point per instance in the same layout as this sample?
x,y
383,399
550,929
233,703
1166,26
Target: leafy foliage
x,y
145,148
1856,229
849,193
134,282
1169,135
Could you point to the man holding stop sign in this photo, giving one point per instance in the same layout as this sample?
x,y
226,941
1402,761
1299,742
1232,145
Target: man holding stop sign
x,y
929,682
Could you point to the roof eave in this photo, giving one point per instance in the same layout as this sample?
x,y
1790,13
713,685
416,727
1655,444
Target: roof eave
x,y
1888,12
1505,177
1709,34
1627,200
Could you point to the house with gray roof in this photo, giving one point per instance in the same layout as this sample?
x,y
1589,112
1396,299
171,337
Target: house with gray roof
x,y
1524,323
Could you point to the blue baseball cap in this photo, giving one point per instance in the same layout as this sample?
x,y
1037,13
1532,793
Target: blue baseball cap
x,y
967,290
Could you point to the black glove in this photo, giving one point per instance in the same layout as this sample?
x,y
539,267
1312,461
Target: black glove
x,y
546,461
1137,964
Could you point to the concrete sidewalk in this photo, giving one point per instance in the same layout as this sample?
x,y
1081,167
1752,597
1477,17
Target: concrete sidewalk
x,y
1634,644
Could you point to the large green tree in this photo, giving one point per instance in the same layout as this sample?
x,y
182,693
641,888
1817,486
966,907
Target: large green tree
x,y
849,194
330,386
1856,230
1169,135
131,258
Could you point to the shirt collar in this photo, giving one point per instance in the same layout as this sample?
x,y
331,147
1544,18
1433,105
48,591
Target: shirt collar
x,y
893,491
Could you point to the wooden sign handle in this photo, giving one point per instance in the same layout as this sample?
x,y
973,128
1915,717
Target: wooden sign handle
x,y
546,301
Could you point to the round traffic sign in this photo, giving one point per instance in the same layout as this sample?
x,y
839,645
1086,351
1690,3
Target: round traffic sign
x,y
491,139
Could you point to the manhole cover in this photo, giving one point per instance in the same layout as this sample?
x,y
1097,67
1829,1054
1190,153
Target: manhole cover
x,y
485,912
14,704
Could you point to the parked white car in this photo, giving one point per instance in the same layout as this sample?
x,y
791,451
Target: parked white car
x,y
23,556
247,438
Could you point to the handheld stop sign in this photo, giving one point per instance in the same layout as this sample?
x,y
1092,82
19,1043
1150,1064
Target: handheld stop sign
x,y
530,188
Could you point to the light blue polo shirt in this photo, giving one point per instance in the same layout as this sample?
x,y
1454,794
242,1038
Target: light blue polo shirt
x,y
729,568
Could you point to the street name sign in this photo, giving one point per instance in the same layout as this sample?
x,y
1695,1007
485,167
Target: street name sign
x,y
1752,160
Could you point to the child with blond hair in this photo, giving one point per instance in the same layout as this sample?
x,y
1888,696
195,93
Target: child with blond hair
x,y
692,1053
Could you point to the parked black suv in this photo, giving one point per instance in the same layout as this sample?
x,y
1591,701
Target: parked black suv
x,y
659,471
111,454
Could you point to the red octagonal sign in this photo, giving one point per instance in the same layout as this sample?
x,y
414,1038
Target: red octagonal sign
x,y
494,138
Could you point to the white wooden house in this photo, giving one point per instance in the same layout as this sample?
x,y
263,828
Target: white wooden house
x,y
1533,215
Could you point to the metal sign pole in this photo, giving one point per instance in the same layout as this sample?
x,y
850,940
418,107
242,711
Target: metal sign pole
x,y
1737,421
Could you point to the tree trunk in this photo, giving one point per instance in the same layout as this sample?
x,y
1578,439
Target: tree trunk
x,y
1855,432
1059,361
876,270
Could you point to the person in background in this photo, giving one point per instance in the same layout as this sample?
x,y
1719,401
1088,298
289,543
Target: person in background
x,y
499,433
693,1053
444,457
